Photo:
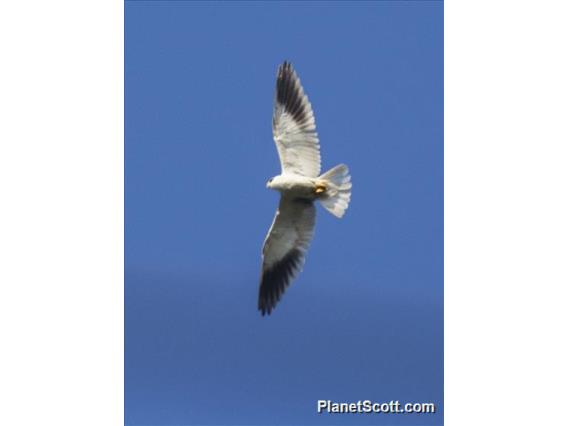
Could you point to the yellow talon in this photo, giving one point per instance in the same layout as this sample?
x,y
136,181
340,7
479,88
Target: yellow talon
x,y
320,188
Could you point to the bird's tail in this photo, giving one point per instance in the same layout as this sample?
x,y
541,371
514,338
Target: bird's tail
x,y
337,183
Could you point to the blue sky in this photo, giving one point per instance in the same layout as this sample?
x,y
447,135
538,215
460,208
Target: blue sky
x,y
365,318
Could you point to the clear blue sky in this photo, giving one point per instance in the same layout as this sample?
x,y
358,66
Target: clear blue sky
x,y
365,318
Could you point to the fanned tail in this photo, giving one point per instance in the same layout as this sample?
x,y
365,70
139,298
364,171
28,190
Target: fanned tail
x,y
338,193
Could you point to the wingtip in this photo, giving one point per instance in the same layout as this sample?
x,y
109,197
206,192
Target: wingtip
x,y
277,278
286,66
264,310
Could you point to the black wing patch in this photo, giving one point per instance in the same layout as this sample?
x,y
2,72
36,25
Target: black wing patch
x,y
289,93
275,280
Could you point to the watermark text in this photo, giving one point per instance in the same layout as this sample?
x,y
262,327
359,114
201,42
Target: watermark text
x,y
367,407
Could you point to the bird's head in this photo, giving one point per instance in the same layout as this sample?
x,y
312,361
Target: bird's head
x,y
269,183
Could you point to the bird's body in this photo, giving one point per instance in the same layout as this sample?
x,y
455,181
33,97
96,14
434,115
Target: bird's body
x,y
296,186
300,185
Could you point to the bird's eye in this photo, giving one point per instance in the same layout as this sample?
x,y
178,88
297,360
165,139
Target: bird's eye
x,y
270,180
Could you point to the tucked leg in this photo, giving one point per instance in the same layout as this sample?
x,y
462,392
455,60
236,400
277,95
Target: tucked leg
x,y
320,188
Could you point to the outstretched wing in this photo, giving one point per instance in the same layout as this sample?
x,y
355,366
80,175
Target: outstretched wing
x,y
284,250
294,126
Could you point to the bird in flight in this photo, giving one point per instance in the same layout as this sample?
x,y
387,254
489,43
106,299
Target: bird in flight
x,y
300,185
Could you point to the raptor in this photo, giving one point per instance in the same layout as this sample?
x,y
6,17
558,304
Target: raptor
x,y
300,185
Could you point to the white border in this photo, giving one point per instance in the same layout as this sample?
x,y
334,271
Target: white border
x,y
61,220
506,207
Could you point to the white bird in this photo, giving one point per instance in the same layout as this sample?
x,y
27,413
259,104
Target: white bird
x,y
299,184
